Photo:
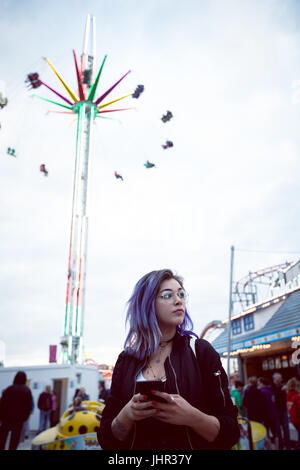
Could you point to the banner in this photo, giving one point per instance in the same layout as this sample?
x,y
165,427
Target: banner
x,y
52,353
81,442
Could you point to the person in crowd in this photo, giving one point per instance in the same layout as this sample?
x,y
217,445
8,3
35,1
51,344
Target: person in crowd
x,y
53,419
194,410
45,407
26,428
254,401
103,391
77,404
281,406
271,415
83,395
15,407
237,395
293,405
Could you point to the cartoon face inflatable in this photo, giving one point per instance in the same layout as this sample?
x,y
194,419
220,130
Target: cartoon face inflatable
x,y
83,420
79,422
57,445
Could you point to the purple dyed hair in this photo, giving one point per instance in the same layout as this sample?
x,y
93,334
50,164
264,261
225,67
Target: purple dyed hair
x,y
144,334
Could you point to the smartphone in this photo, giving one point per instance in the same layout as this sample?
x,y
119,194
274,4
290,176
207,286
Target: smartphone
x,y
144,387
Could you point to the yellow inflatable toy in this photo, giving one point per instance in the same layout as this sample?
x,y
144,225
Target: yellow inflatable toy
x,y
252,435
259,434
76,430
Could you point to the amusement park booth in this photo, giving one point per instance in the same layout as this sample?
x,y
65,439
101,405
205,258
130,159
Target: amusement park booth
x,y
264,338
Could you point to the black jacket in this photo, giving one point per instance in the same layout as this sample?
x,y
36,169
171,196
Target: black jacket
x,y
45,401
16,404
255,403
202,381
280,398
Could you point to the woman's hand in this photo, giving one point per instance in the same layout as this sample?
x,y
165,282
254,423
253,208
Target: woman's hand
x,y
174,409
138,408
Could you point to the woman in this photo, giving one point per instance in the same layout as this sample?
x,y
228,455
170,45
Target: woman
x,y
103,393
198,412
237,395
53,420
293,404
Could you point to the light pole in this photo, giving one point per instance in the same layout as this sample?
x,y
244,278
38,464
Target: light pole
x,y
229,315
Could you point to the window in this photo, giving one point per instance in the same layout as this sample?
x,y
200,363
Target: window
x,y
277,363
249,322
78,376
284,361
236,326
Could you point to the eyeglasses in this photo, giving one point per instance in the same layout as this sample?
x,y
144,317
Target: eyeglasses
x,y
169,295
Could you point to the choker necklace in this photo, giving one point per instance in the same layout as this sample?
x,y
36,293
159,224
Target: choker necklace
x,y
158,358
163,344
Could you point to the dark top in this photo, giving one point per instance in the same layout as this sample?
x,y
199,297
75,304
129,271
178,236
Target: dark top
x,y
271,410
16,404
45,401
254,401
202,381
104,394
280,398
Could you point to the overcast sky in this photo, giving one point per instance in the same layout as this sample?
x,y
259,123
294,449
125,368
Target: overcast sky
x,y
229,71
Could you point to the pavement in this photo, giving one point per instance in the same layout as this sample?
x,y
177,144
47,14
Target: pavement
x,y
26,444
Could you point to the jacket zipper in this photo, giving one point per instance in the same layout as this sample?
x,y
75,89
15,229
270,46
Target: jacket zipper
x,y
134,432
218,374
186,430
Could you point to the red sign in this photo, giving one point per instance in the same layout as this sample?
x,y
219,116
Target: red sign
x,y
52,353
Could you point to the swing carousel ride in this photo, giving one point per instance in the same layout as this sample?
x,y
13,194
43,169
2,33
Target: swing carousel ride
x,y
85,106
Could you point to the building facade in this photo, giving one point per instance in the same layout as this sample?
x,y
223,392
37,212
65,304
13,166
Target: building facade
x,y
265,337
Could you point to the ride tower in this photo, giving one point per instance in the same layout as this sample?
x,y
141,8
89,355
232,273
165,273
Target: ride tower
x,y
86,108
72,345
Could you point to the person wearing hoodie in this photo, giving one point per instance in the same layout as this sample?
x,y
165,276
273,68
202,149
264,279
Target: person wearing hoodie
x,y
293,405
15,407
254,402
271,415
279,389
